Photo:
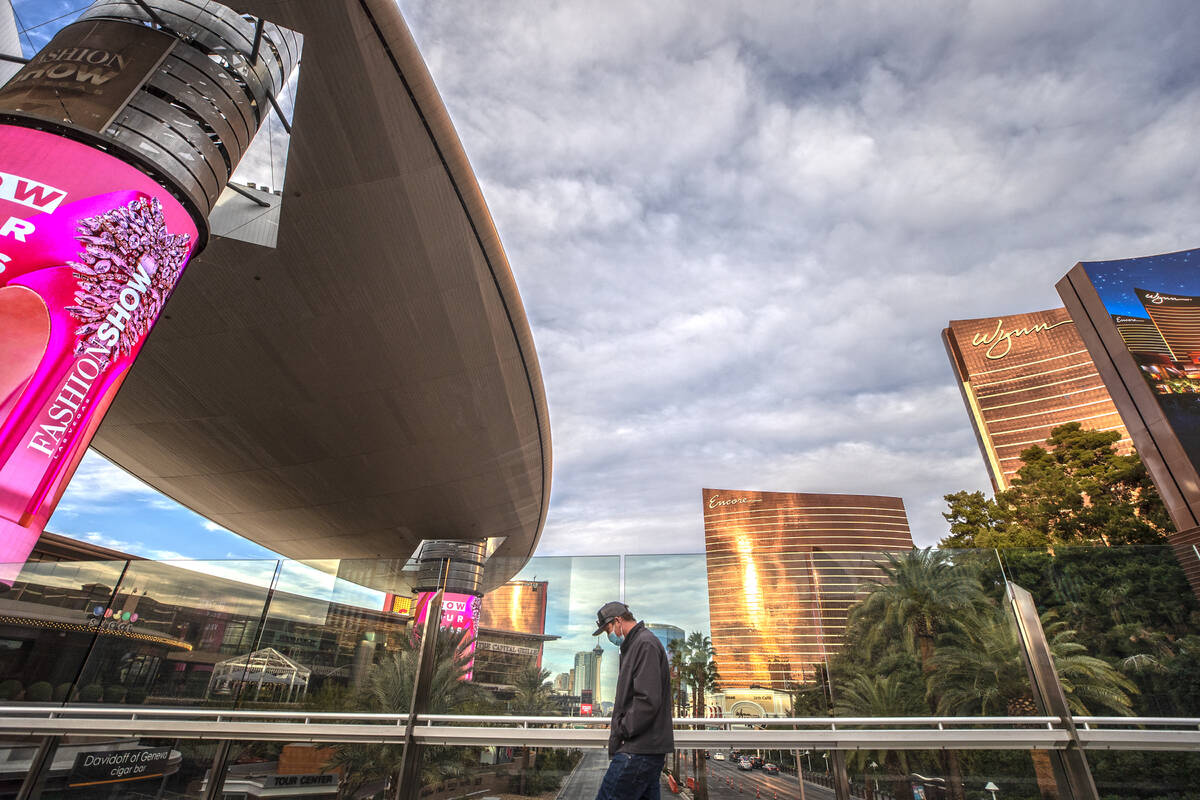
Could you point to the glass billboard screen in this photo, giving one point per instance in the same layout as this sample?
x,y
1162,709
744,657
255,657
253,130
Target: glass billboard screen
x,y
1154,303
90,249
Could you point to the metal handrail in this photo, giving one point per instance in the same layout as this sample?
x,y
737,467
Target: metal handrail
x,y
835,733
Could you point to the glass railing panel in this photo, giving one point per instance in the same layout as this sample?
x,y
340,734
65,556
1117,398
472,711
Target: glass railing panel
x,y
535,772
1123,625
50,619
173,623
912,633
1134,775
327,632
112,768
515,647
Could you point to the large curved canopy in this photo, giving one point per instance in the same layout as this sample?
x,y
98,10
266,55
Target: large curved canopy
x,y
371,382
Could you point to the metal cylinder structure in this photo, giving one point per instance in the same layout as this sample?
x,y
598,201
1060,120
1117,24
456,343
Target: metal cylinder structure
x,y
192,118
116,139
456,566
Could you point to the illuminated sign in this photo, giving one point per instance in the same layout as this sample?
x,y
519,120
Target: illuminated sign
x,y
1001,338
90,250
1143,331
460,612
398,604
716,501
101,617
585,709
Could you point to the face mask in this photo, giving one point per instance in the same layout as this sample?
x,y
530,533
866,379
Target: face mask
x,y
615,639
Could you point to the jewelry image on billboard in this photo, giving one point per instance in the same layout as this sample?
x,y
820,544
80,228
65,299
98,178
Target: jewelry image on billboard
x,y
90,250
1154,303
460,612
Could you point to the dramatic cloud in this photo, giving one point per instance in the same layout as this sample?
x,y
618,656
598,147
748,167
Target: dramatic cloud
x,y
738,230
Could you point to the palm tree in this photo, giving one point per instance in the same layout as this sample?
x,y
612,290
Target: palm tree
x,y
389,689
699,672
676,653
881,696
978,669
918,595
389,686
531,699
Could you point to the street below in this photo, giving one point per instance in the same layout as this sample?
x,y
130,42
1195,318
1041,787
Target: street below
x,y
727,782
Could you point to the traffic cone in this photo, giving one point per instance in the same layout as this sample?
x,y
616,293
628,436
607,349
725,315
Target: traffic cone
x,y
757,795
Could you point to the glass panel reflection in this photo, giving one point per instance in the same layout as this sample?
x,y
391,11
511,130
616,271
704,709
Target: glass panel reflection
x,y
581,672
49,621
173,621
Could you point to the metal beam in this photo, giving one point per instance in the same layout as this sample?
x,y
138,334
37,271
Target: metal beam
x,y
234,187
1071,771
150,12
39,767
258,30
287,126
215,786
14,59
408,782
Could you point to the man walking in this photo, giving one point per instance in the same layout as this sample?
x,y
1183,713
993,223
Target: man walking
x,y
640,731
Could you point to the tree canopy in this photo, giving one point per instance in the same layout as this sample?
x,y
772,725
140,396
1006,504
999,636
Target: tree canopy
x,y
1076,490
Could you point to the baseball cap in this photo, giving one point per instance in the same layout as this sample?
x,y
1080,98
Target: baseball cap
x,y
607,613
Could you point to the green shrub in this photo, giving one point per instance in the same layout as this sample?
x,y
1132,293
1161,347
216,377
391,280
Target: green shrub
x,y
39,692
10,689
62,692
92,693
115,693
136,697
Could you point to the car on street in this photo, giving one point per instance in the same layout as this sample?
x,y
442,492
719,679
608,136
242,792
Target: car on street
x,y
756,762
770,768
744,763
718,756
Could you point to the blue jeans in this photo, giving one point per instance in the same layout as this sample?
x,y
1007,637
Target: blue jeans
x,y
632,776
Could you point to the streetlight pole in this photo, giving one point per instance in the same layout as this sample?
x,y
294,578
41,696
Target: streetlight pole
x,y
993,788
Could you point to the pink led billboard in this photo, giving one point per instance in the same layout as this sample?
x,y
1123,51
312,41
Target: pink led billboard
x,y
460,612
90,249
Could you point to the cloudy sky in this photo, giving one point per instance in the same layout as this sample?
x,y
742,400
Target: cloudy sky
x,y
738,229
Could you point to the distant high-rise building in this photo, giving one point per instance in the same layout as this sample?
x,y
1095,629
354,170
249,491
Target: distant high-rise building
x,y
1140,335
587,672
783,571
518,606
1177,318
512,624
562,683
1021,377
665,633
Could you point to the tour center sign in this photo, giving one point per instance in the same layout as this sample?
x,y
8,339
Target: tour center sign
x,y
94,768
90,250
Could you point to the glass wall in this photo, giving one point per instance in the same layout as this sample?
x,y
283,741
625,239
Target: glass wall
x,y
920,633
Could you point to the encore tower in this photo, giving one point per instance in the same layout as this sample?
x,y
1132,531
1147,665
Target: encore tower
x,y
783,571
1022,376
